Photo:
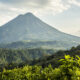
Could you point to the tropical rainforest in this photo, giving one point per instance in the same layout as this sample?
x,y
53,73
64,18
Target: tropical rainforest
x,y
61,65
68,70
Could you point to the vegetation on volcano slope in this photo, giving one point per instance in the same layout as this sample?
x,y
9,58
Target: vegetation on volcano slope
x,y
11,58
53,59
17,56
69,70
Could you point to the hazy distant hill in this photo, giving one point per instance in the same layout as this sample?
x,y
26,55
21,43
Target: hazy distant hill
x,y
29,27
56,45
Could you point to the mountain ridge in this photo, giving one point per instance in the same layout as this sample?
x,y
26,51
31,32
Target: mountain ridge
x,y
30,27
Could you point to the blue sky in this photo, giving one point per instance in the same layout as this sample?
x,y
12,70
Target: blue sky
x,y
61,14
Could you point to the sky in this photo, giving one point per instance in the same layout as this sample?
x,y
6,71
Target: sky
x,y
61,14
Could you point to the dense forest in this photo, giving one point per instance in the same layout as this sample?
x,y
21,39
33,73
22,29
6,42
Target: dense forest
x,y
68,70
10,58
21,56
53,59
45,65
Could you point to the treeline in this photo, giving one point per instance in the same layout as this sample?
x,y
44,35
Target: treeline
x,y
16,58
19,56
54,59
68,70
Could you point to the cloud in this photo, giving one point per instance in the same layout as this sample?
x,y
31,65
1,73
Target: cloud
x,y
36,6
26,3
53,6
74,2
11,8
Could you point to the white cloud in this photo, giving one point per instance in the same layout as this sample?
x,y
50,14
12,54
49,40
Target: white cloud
x,y
11,8
35,6
54,6
74,2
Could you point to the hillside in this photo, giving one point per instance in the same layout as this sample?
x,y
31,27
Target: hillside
x,y
28,27
18,56
40,57
57,45
68,68
54,59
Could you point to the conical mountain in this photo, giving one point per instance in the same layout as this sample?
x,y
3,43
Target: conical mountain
x,y
29,27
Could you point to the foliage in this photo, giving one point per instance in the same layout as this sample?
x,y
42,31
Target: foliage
x,y
53,59
69,70
9,56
